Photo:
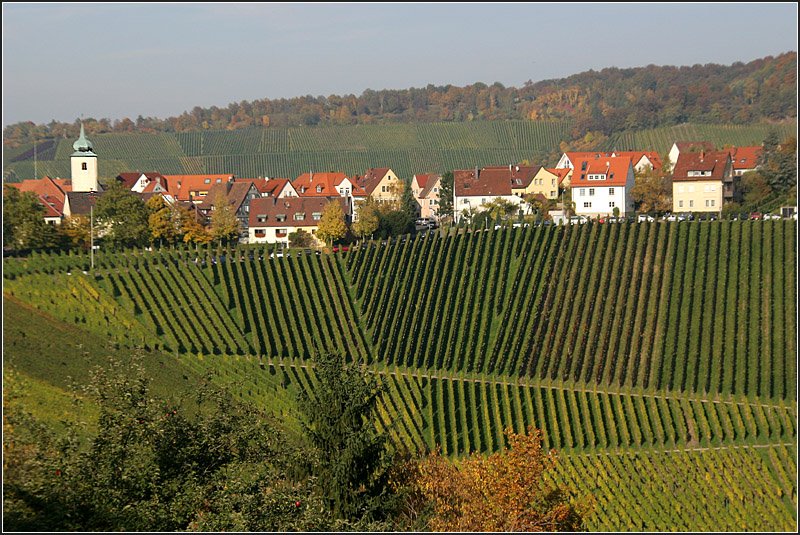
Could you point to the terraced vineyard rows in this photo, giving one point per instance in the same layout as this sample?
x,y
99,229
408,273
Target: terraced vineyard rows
x,y
407,148
680,307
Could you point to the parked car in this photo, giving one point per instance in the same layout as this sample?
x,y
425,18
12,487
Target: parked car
x,y
645,218
276,254
756,216
670,217
577,220
342,248
772,216
686,216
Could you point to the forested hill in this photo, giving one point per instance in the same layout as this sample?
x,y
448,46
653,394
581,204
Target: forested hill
x,y
610,100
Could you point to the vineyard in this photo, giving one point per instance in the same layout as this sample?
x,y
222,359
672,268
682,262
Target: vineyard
x,y
659,359
406,148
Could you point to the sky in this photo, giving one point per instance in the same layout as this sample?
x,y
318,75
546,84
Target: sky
x,y
66,60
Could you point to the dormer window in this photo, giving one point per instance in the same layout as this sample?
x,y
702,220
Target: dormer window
x,y
583,166
280,217
261,218
207,181
299,216
316,216
219,181
319,188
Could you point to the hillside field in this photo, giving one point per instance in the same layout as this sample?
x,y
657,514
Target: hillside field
x,y
659,359
407,148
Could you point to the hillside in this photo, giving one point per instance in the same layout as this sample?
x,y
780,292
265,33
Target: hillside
x,y
650,354
607,101
406,148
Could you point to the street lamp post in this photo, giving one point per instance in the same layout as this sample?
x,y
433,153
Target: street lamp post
x,y
91,235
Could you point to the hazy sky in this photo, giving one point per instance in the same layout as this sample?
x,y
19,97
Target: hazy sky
x,y
61,60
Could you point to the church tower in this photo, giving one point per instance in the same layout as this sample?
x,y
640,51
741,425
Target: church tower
x,y
84,165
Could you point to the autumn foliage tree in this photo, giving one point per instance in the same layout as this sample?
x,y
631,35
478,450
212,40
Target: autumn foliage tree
x,y
506,491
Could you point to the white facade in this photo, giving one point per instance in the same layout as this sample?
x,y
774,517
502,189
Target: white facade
x,y
84,173
475,203
565,163
277,234
594,201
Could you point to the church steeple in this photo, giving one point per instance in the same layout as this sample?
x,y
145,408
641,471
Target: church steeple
x,y
82,146
84,165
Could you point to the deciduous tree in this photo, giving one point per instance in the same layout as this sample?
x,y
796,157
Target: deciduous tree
x,y
224,224
506,491
331,224
123,216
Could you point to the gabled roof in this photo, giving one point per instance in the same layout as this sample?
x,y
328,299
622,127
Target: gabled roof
x,y
714,161
615,170
372,178
270,207
181,185
561,173
521,176
236,193
637,155
324,185
490,182
431,182
422,180
577,157
50,192
130,179
274,186
80,202
744,157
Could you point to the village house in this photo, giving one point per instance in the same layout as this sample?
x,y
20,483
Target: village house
x,y
383,185
599,185
331,185
273,219
425,188
51,192
239,195
193,188
744,159
703,181
679,147
474,188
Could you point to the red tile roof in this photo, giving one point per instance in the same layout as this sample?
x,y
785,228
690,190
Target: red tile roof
x,y
274,186
235,191
490,182
715,162
430,183
50,192
745,157
372,178
560,173
422,180
129,179
615,170
181,185
636,156
324,185
269,208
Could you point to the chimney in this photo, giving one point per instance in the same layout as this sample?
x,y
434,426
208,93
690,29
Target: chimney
x,y
509,167
311,176
702,154
477,172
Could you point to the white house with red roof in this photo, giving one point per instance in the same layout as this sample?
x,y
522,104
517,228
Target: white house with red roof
x,y
330,185
601,184
273,219
744,159
51,193
474,188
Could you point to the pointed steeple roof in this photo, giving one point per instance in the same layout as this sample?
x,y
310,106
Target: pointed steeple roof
x,y
83,147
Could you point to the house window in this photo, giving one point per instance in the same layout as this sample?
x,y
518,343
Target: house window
x,y
83,166
552,193
280,233
681,189
299,216
319,188
583,166
383,189
261,218
680,204
207,181
583,192
202,193
280,217
611,204
591,192
553,182
587,205
219,181
261,233
691,203
611,191
316,216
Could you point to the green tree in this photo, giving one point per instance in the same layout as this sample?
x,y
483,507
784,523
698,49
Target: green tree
x,y
408,203
161,221
368,218
351,463
755,188
76,231
224,224
204,462
446,197
652,191
301,238
331,224
24,226
190,227
778,162
122,216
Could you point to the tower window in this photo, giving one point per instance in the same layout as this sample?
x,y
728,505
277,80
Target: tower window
x,y
83,166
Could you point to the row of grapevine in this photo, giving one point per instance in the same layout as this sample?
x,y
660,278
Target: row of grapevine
x,y
730,489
